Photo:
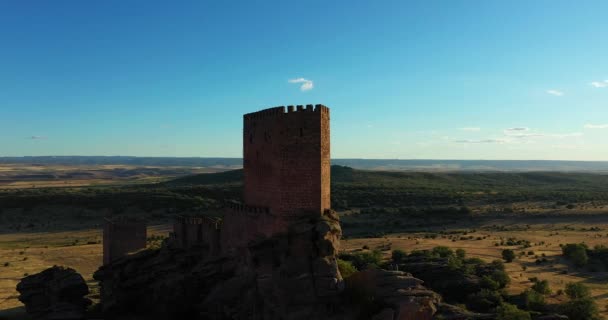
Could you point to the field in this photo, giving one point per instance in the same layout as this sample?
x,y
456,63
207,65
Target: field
x,y
29,253
544,234
478,212
20,175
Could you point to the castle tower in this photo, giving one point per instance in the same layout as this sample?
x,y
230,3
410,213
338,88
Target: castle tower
x,y
287,160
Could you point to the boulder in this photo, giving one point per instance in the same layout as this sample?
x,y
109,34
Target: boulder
x,y
55,293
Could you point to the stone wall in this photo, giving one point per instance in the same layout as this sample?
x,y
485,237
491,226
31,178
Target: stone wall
x,y
286,159
189,232
122,236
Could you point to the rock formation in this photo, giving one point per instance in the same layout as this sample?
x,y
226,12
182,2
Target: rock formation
x,y
55,293
287,276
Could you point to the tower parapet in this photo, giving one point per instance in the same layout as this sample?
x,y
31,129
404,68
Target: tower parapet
x,y
286,159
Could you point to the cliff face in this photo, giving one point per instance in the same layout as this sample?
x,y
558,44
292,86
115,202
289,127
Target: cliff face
x,y
287,276
293,274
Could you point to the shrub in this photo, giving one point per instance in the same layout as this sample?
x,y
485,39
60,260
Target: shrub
x,y
578,290
533,300
508,255
442,252
363,260
460,253
542,287
484,300
346,268
581,309
398,256
577,253
489,283
510,312
501,277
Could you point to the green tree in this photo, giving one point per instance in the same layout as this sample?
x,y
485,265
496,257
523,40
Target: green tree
x,y
577,290
581,309
508,255
541,287
577,253
346,268
533,300
510,312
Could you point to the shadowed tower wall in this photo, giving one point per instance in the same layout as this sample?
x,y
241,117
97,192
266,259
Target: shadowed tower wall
x,y
287,160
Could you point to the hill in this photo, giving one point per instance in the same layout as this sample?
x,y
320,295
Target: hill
x,y
365,188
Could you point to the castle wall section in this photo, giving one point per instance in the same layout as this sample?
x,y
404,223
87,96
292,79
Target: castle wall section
x,y
287,160
122,236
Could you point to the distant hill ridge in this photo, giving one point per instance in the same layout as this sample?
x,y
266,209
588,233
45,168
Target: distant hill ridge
x,y
368,164
342,175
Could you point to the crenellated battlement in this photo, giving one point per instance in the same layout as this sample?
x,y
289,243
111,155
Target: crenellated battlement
x,y
282,110
242,208
215,223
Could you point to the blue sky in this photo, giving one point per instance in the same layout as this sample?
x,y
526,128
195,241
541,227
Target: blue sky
x,y
403,79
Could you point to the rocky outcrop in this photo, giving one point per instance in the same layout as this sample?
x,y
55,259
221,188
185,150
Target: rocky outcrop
x,y
55,293
402,296
452,284
288,276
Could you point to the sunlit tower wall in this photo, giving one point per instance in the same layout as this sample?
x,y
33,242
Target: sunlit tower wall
x,y
286,155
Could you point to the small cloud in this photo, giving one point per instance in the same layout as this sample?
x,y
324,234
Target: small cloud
x,y
596,126
306,84
36,138
369,125
470,129
599,84
482,141
555,92
516,130
166,126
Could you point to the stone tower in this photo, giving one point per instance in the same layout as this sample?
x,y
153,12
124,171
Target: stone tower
x,y
287,161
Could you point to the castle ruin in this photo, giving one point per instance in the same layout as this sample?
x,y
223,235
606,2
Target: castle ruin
x,y
286,163
121,236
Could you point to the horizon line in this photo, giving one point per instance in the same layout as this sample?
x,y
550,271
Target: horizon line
x,y
240,158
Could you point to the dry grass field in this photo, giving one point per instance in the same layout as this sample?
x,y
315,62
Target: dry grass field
x,y
545,236
25,176
29,253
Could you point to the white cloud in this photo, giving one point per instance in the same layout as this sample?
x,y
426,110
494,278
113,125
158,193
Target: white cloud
x,y
555,92
306,84
596,126
599,84
470,129
517,129
482,141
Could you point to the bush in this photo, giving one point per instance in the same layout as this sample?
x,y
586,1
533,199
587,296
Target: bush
x,y
363,260
541,287
346,268
577,290
510,312
398,256
508,255
501,277
533,300
442,252
484,300
577,253
581,309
